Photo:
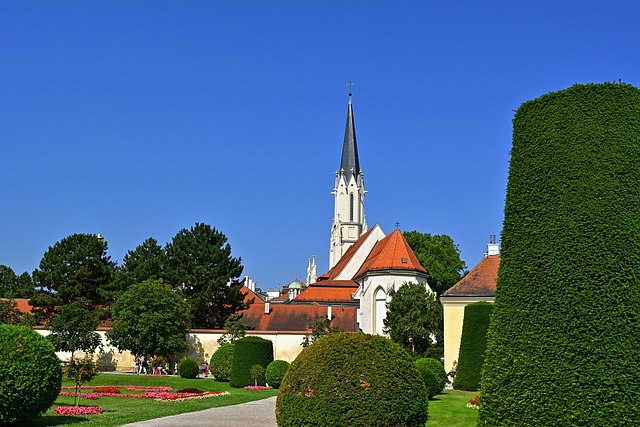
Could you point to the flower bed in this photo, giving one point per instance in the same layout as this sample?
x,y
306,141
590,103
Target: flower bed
x,y
105,390
77,410
176,397
160,393
256,387
474,402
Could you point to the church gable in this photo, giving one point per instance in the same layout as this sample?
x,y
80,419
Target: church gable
x,y
358,253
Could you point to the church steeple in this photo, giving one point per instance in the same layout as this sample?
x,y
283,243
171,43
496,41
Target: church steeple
x,y
350,165
348,218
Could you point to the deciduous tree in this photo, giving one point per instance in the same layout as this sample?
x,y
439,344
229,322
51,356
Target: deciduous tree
x,y
321,328
73,328
200,265
440,256
414,319
149,318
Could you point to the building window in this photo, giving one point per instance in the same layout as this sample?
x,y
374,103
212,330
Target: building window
x,y
380,311
351,207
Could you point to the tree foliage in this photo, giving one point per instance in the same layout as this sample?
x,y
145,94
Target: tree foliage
x,y
73,328
321,328
145,262
76,267
200,265
563,340
10,314
14,286
440,256
149,318
414,319
234,329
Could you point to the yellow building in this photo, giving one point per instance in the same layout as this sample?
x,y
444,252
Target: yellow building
x,y
478,285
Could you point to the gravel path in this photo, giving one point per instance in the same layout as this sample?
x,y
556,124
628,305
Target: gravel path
x,y
260,413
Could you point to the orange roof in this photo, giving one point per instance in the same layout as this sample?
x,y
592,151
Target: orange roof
x,y
248,294
481,280
22,304
329,291
290,317
391,253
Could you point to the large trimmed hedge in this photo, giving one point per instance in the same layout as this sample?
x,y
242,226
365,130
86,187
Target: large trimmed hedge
x,y
30,374
473,345
563,344
247,352
352,379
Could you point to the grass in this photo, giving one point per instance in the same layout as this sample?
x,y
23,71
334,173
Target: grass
x,y
446,410
450,410
120,410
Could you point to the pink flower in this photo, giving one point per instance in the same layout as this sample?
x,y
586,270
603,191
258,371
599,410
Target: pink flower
x,y
256,387
77,410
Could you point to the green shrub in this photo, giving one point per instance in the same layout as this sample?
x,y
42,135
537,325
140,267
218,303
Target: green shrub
x,y
352,379
473,345
30,374
431,380
250,351
188,367
221,362
562,346
275,372
437,380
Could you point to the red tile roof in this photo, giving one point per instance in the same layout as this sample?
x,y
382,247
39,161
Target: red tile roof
x,y
481,280
391,253
248,294
22,304
290,317
329,291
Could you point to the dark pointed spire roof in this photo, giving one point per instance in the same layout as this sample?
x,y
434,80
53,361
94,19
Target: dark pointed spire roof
x,y
350,148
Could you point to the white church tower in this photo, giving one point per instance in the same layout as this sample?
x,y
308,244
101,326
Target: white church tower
x,y
349,221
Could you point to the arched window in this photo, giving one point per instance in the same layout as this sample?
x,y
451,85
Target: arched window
x,y
380,311
351,207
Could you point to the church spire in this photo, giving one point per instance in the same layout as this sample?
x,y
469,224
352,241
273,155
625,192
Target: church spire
x,y
350,165
349,221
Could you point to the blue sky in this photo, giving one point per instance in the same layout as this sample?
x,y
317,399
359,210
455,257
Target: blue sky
x,y
135,119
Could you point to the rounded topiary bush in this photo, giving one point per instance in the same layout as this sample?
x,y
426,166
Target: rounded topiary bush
x,y
30,374
188,368
250,351
473,344
221,362
434,375
352,379
275,372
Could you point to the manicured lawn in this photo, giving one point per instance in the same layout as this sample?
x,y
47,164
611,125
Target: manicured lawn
x,y
450,410
446,410
122,410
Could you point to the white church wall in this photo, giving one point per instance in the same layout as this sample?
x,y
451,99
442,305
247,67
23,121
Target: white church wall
x,y
370,318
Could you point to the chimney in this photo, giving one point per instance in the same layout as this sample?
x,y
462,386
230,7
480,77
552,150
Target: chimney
x,y
267,307
493,248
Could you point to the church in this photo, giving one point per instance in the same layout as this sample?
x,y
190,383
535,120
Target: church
x,y
365,264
